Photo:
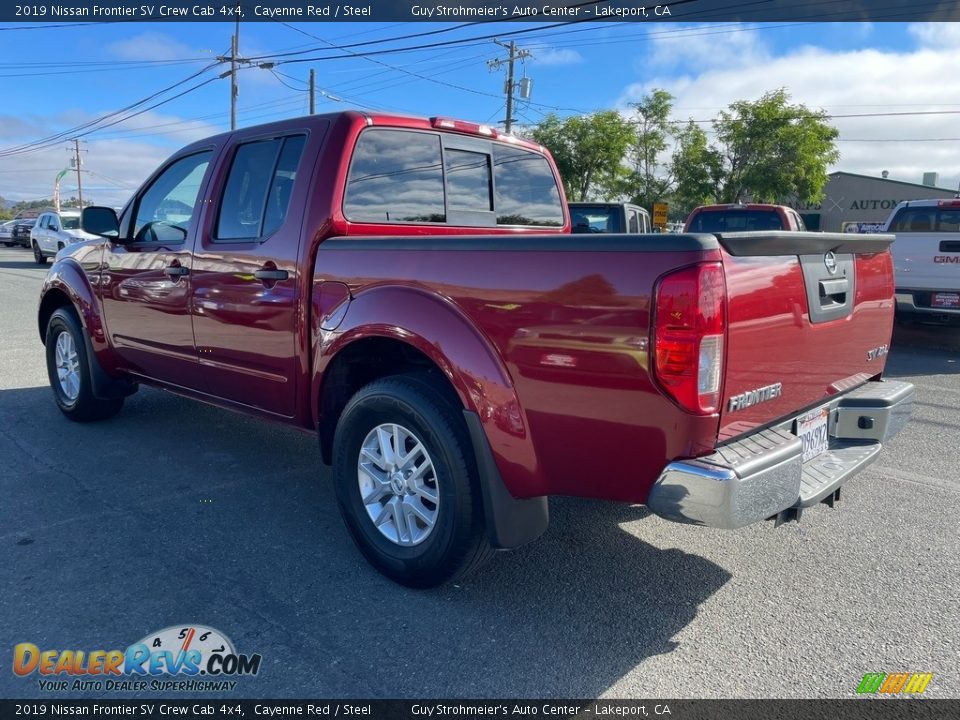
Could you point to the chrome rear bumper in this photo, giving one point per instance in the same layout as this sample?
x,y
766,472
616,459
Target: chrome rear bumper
x,y
763,474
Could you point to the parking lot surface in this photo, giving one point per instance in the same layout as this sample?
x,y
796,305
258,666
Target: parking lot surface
x,y
179,513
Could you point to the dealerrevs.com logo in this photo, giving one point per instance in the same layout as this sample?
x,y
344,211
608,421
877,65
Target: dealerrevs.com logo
x,y
187,658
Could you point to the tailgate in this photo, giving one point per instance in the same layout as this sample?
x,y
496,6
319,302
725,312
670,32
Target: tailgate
x,y
927,261
810,315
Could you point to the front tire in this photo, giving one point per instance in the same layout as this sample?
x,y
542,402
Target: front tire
x,y
406,483
38,255
68,368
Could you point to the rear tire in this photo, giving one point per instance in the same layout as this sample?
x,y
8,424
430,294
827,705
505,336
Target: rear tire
x,y
68,368
38,255
407,484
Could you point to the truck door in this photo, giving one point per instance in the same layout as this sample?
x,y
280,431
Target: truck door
x,y
145,283
246,275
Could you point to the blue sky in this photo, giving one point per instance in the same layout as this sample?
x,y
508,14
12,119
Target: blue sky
x,y
57,78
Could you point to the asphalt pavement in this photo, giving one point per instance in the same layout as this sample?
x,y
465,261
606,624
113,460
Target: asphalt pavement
x,y
176,513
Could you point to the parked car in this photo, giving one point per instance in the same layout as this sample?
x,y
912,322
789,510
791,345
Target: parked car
x,y
591,217
6,232
21,231
738,218
55,231
926,258
408,289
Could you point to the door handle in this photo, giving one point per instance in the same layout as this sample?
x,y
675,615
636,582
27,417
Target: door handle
x,y
176,271
271,275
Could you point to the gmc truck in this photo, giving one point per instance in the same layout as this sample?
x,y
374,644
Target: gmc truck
x,y
409,290
926,259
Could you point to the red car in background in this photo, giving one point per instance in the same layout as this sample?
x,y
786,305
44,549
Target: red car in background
x,y
739,218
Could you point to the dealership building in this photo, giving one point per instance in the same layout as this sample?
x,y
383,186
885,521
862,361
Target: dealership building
x,y
864,198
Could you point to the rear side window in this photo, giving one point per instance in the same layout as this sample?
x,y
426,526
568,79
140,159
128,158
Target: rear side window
x,y
404,176
257,193
396,176
634,222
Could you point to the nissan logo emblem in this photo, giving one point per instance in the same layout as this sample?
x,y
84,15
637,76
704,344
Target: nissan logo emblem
x,y
830,260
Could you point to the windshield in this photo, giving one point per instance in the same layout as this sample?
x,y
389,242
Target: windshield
x,y
595,220
70,222
735,221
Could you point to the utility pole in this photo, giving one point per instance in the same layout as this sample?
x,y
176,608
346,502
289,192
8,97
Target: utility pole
x,y
76,156
313,91
514,54
234,45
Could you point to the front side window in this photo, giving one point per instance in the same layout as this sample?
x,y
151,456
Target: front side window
x,y
396,176
166,209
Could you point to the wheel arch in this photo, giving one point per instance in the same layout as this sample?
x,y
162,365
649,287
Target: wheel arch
x,y
399,330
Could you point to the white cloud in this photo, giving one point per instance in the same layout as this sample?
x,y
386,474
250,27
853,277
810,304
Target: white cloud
x,y
706,47
155,46
556,56
115,161
936,35
843,82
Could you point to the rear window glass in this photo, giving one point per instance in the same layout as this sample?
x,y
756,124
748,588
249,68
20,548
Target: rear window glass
x,y
595,220
403,176
735,221
468,179
926,219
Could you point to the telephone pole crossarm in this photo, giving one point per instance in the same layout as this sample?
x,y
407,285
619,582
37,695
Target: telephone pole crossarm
x,y
513,55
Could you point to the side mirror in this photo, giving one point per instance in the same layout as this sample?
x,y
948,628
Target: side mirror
x,y
100,221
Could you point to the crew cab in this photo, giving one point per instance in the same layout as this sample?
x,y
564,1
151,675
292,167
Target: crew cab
x,y
927,259
739,217
600,217
409,290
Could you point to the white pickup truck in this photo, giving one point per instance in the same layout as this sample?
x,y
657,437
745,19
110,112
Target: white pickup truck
x,y
926,259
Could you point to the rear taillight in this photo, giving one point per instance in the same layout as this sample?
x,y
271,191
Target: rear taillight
x,y
689,332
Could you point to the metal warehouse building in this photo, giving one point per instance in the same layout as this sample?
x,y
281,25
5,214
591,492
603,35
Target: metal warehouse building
x,y
864,198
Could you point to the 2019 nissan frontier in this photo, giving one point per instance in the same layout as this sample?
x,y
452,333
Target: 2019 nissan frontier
x,y
409,290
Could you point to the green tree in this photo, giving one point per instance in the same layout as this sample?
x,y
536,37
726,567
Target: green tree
x,y
589,152
650,180
772,150
698,169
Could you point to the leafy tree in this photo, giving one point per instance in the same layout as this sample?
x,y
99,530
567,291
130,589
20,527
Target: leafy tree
x,y
649,180
772,150
698,169
588,150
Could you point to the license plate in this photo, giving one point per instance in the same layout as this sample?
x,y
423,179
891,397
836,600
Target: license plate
x,y
945,300
812,430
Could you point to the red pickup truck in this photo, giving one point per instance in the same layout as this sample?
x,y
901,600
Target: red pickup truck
x,y
409,290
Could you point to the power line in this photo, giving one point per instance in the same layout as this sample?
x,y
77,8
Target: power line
x,y
87,128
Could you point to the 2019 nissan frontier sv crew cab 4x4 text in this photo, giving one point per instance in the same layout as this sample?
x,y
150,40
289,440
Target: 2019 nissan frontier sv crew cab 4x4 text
x,y
409,290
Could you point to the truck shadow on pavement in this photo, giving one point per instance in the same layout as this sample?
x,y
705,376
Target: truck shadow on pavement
x,y
178,513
